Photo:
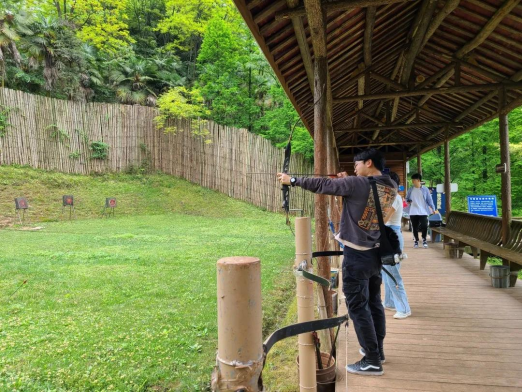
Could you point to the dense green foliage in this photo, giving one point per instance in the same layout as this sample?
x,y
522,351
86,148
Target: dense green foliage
x,y
125,303
473,157
197,53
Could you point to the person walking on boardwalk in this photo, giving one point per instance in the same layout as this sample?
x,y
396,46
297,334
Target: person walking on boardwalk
x,y
419,208
360,233
395,295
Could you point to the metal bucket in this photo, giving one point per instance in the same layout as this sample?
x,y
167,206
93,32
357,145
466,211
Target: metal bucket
x,y
500,276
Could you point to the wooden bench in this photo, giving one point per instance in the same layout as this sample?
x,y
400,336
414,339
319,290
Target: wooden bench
x,y
483,235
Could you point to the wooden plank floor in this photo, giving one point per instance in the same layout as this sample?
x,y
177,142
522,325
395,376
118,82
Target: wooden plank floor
x,y
463,334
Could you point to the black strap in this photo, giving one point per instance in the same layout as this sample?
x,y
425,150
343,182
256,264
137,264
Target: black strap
x,y
297,329
315,278
326,253
390,275
384,240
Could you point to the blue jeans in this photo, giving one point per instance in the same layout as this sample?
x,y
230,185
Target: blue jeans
x,y
395,297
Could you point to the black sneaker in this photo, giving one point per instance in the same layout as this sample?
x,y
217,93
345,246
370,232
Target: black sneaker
x,y
382,354
366,368
416,244
425,245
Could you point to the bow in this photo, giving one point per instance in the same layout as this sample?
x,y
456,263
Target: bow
x,y
285,190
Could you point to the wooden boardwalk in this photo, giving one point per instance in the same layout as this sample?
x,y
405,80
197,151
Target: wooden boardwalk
x,y
463,334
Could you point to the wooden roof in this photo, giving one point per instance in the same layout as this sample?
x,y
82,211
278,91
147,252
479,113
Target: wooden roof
x,y
426,69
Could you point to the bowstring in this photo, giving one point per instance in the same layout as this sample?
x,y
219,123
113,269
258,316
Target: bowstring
x,y
289,143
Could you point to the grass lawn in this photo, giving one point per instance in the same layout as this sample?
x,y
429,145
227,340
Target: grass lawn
x,y
126,303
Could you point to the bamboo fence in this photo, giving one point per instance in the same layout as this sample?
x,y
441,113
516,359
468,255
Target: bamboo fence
x,y
52,134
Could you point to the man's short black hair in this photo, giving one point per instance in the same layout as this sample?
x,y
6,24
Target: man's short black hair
x,y
416,176
394,177
374,155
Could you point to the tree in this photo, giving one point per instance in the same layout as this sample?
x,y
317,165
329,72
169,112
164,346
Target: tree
x,y
186,22
144,16
138,80
12,25
278,120
101,23
231,77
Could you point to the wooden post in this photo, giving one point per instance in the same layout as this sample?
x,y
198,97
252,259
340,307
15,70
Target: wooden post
x,y
418,158
506,182
448,197
239,361
506,191
316,18
305,299
320,166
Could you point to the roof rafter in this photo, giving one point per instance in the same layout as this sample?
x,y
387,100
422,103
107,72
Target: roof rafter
x,y
340,5
431,91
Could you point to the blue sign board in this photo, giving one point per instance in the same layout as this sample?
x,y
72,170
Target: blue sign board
x,y
439,200
483,205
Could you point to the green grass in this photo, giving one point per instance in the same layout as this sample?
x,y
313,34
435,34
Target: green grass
x,y
136,194
125,303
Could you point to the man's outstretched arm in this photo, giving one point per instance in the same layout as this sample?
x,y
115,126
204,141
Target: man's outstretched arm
x,y
342,186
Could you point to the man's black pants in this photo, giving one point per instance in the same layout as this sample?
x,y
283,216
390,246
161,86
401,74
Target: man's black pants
x,y
419,222
361,286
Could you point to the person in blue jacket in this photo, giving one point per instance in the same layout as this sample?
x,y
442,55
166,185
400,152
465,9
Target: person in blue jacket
x,y
419,208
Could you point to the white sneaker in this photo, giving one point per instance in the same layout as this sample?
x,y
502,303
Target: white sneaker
x,y
387,308
400,315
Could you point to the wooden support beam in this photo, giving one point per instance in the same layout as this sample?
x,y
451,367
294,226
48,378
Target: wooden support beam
x,y
418,161
361,87
357,112
432,91
340,5
457,74
386,81
316,18
299,31
423,20
357,74
395,71
469,63
442,72
450,5
448,193
364,82
370,19
477,104
491,25
401,126
378,144
371,118
506,191
425,98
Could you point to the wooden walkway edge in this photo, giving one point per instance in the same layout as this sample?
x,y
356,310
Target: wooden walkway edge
x,y
463,334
